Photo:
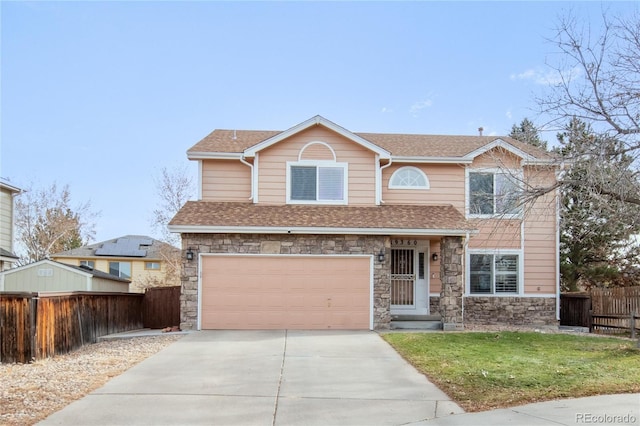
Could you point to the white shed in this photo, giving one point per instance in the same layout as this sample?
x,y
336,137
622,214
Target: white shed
x,y
48,275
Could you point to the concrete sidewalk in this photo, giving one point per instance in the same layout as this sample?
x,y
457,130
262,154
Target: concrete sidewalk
x,y
265,378
595,410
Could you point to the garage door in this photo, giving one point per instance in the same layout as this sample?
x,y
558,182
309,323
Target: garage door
x,y
278,292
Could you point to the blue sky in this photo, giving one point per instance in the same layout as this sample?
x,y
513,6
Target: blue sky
x,y
102,95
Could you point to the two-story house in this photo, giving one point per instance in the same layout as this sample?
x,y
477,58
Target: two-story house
x,y
7,194
317,227
144,261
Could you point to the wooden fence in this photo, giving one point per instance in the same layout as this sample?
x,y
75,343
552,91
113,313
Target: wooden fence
x,y
575,309
603,310
161,307
612,309
36,326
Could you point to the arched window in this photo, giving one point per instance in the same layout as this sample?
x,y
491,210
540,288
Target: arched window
x,y
408,178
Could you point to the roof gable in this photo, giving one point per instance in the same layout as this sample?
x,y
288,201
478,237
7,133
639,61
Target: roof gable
x,y
501,144
70,268
236,144
316,121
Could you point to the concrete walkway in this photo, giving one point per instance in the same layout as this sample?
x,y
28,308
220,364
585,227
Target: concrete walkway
x,y
607,410
265,378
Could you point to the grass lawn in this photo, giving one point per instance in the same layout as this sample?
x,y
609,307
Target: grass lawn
x,y
482,371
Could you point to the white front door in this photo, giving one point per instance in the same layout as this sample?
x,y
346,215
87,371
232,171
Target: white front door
x,y
409,277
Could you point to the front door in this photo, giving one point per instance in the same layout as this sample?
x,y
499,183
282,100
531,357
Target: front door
x,y
409,273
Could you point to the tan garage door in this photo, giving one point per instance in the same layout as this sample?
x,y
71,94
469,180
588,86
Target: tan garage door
x,y
277,292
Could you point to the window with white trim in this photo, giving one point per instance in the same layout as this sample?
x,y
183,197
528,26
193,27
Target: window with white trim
x,y
88,263
317,182
493,193
154,266
408,177
120,269
493,273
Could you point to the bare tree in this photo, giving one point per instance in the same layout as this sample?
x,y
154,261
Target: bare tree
x,y
596,101
46,223
173,188
599,79
599,84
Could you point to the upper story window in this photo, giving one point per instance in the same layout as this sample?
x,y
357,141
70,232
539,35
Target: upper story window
x,y
88,263
120,269
493,193
155,266
323,182
408,178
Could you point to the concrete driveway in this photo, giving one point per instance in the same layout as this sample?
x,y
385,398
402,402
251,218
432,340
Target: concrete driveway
x,y
265,378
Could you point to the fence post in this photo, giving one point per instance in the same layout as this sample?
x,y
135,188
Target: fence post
x,y
33,326
632,324
590,320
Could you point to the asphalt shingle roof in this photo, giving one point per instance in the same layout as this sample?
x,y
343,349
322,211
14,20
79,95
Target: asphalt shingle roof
x,y
227,214
401,145
153,251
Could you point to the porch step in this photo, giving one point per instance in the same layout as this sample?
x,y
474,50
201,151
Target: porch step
x,y
416,322
400,317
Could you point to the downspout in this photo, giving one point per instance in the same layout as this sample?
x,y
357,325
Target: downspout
x,y
246,163
557,256
382,168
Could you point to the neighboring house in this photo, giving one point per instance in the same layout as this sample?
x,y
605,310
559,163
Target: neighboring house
x,y
143,260
319,227
49,276
7,194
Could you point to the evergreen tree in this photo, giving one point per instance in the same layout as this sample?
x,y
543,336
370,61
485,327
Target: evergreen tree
x,y
597,246
528,133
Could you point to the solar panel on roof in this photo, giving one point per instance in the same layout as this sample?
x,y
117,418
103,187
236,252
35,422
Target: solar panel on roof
x,y
128,247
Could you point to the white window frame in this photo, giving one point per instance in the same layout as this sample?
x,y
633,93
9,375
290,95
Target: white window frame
x,y
501,252
120,262
148,263
318,164
412,168
87,263
517,175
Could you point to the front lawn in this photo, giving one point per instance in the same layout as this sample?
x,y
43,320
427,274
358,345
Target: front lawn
x,y
482,371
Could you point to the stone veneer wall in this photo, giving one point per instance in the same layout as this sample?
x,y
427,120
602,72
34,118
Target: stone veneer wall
x,y
527,311
434,305
451,275
286,244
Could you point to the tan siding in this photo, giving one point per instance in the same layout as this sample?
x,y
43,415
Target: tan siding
x,y
540,238
225,180
140,276
496,234
6,220
60,280
446,186
101,284
273,160
498,158
435,284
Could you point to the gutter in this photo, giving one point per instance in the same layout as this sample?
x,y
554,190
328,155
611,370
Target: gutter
x,y
196,229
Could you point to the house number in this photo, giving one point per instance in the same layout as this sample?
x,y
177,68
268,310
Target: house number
x,y
404,242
